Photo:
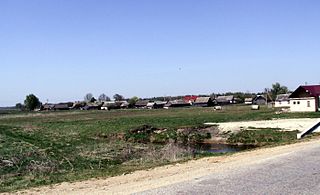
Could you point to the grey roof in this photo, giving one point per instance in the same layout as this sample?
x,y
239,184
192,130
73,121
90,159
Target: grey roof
x,y
248,99
283,97
150,104
124,104
61,106
224,98
48,106
178,102
202,100
259,97
142,103
160,102
108,103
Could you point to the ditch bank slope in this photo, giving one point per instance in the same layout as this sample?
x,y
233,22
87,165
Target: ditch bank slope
x,y
162,176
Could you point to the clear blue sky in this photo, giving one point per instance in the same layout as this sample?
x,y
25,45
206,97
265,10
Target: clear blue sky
x,y
62,49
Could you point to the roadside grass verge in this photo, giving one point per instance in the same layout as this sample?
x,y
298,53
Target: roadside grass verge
x,y
262,137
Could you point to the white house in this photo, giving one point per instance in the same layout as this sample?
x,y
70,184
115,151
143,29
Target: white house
x,y
282,101
248,101
305,99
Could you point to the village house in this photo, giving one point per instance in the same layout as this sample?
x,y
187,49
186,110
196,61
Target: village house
x,y
124,104
259,100
142,104
108,105
203,102
176,103
190,98
150,105
59,106
78,105
282,101
305,99
63,106
47,106
223,100
93,106
248,101
159,104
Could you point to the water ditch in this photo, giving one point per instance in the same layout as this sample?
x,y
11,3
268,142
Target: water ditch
x,y
220,148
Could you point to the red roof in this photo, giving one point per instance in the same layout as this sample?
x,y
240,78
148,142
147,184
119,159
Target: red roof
x,y
312,90
188,98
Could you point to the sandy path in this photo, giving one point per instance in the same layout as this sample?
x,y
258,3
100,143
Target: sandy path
x,y
161,176
284,124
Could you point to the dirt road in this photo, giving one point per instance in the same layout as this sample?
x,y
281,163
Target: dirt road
x,y
283,124
163,176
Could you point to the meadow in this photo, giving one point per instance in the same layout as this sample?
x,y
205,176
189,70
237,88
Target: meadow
x,y
43,148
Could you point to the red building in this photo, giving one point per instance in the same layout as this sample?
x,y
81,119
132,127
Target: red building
x,y
190,98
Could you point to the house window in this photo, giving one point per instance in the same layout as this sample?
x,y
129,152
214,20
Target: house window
x,y
298,102
279,102
308,103
294,102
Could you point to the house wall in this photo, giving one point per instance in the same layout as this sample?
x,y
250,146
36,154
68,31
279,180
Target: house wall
x,y
280,104
303,104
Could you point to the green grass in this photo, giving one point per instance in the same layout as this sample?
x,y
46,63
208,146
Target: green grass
x,y
51,147
262,137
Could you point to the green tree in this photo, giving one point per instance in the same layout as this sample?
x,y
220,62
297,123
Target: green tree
x,y
31,102
19,106
277,89
133,100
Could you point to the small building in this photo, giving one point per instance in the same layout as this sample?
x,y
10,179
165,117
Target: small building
x,y
124,104
108,105
176,104
93,106
142,104
259,100
150,105
248,101
282,101
223,100
190,98
156,105
78,105
305,99
63,106
47,106
159,104
203,102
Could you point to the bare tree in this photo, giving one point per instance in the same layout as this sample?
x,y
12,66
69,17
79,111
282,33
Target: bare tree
x,y
103,97
88,97
118,97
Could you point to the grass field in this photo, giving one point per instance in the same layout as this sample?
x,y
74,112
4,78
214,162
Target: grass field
x,y
51,147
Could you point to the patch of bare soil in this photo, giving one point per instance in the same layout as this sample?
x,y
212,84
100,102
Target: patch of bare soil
x,y
161,176
283,124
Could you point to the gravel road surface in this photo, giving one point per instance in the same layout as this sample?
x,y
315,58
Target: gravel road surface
x,y
292,172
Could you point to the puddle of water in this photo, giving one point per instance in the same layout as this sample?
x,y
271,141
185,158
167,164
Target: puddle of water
x,y
221,148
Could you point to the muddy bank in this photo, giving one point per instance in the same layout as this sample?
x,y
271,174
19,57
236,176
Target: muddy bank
x,y
185,136
192,136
